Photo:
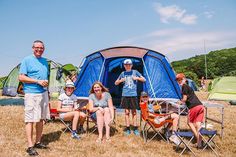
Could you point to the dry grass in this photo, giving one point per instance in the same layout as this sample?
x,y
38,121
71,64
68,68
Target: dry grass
x,y
13,141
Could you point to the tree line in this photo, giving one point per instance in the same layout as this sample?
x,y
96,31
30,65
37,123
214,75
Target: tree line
x,y
219,63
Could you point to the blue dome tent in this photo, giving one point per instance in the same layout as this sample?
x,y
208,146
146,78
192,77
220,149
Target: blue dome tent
x,y
106,65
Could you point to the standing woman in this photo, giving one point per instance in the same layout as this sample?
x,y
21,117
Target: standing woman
x,y
101,102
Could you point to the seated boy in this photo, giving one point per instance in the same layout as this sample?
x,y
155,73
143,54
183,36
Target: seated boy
x,y
145,98
67,108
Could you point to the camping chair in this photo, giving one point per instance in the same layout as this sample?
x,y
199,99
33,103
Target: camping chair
x,y
210,135
54,114
91,119
183,136
148,118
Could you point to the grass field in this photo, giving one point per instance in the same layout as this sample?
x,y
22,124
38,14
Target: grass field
x,y
13,140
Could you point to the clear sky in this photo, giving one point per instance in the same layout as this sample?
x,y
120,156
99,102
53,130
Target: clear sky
x,y
72,29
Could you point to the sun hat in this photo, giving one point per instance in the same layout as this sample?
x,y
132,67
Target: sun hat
x,y
69,84
128,61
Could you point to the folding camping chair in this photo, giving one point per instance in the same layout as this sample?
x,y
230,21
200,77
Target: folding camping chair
x,y
183,136
210,135
54,114
148,118
91,119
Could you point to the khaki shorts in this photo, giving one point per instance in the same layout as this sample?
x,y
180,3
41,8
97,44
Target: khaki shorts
x,y
36,107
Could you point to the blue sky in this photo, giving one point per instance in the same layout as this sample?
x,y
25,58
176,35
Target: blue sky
x,y
73,29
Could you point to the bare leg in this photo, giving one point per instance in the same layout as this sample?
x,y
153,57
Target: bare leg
x,y
107,119
82,118
175,121
75,120
100,123
134,117
29,133
127,111
39,131
199,139
74,116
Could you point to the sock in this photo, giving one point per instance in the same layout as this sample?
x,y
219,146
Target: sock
x,y
74,131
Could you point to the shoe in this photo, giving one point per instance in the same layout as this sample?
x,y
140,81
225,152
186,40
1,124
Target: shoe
x,y
174,139
31,151
75,136
136,132
108,140
40,146
127,132
167,133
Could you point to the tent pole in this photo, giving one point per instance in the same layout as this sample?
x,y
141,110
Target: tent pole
x,y
101,70
149,79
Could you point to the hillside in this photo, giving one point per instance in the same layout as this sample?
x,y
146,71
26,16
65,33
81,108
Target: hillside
x,y
219,63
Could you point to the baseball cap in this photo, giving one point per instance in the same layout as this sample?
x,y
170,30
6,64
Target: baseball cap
x,y
128,61
180,76
144,94
70,84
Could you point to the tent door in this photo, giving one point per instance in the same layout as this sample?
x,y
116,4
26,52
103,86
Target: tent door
x,y
113,68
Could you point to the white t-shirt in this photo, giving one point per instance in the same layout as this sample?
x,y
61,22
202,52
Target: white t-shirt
x,y
68,101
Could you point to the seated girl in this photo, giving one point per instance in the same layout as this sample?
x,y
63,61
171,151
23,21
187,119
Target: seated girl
x,y
101,102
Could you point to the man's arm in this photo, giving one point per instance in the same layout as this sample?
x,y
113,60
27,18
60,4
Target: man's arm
x,y
26,79
183,100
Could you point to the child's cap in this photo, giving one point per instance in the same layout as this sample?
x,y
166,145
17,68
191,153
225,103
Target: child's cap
x,y
144,94
128,61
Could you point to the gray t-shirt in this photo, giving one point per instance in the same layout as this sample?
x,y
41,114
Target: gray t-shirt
x,y
102,102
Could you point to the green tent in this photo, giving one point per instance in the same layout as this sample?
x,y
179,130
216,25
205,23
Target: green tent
x,y
2,80
223,89
12,86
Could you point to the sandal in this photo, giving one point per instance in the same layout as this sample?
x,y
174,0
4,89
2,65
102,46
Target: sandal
x,y
108,140
99,140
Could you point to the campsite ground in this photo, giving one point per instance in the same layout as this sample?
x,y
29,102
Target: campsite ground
x,y
13,141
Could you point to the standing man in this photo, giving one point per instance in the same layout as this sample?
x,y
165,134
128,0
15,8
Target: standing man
x,y
129,100
34,75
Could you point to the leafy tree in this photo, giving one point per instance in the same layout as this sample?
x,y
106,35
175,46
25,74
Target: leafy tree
x,y
219,63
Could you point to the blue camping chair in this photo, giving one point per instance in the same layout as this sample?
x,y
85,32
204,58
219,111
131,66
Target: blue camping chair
x,y
210,134
183,136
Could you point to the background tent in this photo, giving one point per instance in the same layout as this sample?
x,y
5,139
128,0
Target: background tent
x,y
192,84
12,86
107,64
223,89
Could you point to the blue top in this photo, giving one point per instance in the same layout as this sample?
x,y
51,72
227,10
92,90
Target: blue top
x,y
36,68
130,86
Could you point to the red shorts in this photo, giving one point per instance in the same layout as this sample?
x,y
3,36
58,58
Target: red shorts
x,y
196,114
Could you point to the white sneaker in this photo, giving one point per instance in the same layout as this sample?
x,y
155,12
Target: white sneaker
x,y
174,139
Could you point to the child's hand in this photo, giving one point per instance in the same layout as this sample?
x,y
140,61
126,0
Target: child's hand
x,y
179,102
122,80
135,78
101,109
